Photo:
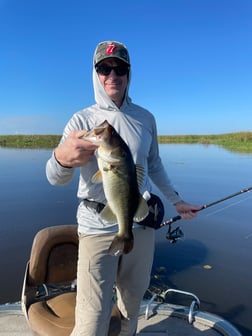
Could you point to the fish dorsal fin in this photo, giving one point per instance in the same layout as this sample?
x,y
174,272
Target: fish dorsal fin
x,y
107,214
139,175
97,177
142,210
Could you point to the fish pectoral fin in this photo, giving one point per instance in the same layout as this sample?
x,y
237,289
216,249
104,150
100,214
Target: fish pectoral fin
x,y
107,214
142,210
107,157
97,177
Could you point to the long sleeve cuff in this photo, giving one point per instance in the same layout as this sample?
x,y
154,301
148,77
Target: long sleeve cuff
x,y
56,173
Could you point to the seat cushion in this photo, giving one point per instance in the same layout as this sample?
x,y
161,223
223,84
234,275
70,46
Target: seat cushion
x,y
54,317
63,305
54,255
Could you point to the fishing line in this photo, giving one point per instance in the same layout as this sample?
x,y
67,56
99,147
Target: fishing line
x,y
174,235
228,206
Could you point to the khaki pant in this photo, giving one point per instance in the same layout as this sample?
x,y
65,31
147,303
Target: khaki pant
x,y
98,272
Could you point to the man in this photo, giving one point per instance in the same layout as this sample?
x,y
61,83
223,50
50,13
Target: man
x,y
98,271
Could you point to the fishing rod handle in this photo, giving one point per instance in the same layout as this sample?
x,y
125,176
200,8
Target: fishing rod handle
x,y
171,220
178,217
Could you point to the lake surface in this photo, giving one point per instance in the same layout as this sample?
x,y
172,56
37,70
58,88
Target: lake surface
x,y
214,258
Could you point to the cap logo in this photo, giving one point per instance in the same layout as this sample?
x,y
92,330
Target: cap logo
x,y
110,49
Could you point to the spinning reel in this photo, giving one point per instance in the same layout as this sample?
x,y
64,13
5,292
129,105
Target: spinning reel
x,y
174,235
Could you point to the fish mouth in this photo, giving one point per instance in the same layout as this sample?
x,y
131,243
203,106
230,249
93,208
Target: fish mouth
x,y
95,135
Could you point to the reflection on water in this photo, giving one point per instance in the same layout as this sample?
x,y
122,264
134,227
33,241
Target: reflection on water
x,y
220,237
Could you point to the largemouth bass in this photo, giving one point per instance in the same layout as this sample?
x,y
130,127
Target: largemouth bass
x,y
120,178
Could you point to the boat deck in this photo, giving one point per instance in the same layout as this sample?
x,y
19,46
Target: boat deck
x,y
161,322
12,321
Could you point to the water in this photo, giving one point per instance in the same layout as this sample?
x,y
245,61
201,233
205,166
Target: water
x,y
214,258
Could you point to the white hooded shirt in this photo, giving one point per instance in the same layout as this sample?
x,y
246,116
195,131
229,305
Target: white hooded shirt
x,y
137,127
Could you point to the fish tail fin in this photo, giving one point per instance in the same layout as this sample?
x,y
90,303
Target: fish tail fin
x,y
120,245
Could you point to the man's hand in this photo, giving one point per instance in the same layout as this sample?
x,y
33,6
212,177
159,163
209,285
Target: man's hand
x,y
74,151
186,210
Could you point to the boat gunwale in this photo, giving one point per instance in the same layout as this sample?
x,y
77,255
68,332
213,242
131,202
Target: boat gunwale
x,y
210,320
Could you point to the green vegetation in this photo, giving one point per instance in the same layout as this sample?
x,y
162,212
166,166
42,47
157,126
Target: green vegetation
x,y
237,142
29,141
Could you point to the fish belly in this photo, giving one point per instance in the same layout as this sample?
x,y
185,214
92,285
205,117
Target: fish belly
x,y
122,196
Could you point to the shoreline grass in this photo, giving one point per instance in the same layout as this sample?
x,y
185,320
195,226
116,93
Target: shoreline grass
x,y
238,142
29,141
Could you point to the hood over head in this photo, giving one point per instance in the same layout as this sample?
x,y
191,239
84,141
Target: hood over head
x,y
104,50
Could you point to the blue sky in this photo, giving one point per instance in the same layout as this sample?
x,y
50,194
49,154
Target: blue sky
x,y
191,61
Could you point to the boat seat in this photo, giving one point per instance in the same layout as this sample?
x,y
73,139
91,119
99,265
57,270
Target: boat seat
x,y
53,261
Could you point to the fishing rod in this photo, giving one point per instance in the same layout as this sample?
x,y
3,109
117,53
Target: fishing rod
x,y
174,235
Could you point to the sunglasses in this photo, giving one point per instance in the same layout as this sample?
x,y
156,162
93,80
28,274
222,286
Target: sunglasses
x,y
105,70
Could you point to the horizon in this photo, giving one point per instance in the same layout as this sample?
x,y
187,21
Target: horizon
x,y
169,135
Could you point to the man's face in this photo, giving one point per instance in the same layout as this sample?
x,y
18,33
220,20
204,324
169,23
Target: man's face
x,y
114,84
